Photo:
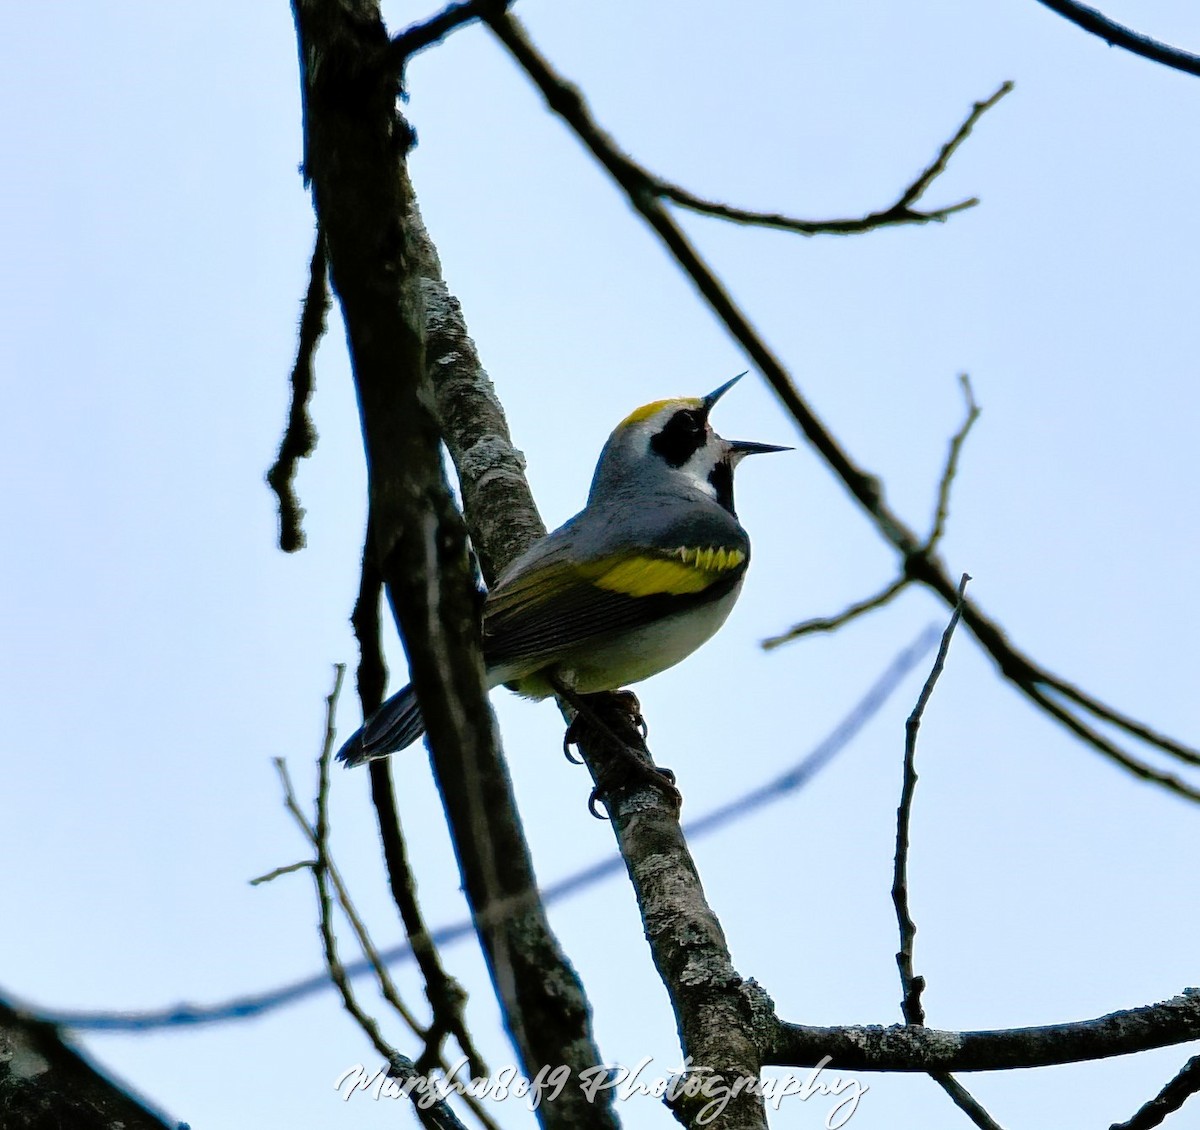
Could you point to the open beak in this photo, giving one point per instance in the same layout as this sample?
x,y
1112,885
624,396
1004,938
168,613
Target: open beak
x,y
742,447
713,397
738,449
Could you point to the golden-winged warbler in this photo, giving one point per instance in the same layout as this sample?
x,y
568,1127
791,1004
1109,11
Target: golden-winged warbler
x,y
635,582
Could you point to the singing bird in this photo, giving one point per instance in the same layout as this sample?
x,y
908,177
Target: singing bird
x,y
635,582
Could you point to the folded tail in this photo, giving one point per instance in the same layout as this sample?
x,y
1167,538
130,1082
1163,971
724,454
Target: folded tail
x,y
396,724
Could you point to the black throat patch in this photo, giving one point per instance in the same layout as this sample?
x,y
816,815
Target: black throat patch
x,y
721,479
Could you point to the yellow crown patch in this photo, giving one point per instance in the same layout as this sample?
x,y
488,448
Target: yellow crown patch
x,y
648,410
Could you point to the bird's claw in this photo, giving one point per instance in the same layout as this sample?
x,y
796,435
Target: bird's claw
x,y
634,771
628,701
572,737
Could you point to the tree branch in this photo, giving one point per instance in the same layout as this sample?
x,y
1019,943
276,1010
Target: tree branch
x,y
44,1082
1118,35
300,437
1167,1101
446,996
416,37
717,1012
911,1048
356,145
911,986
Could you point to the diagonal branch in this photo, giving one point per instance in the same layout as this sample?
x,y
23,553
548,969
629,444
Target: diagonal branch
x,y
718,1013
427,33
1118,35
446,996
901,212
1168,1100
866,489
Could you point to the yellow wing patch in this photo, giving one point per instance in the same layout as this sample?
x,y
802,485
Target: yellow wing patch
x,y
648,410
686,570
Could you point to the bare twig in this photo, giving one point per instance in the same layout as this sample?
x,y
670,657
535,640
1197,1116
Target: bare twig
x,y
1110,714
1118,35
965,1101
890,591
300,437
832,623
436,1116
911,985
942,512
446,996
428,32
1093,737
1168,1100
565,100
317,835
271,876
901,212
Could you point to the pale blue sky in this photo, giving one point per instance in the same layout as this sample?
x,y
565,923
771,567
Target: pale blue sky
x,y
160,651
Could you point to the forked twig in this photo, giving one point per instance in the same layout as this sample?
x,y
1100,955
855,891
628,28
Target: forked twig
x,y
901,212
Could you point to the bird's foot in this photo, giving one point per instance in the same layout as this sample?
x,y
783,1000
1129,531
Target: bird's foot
x,y
613,726
626,703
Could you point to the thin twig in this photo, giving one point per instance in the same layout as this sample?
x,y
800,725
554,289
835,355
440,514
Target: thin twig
x,y
901,212
300,437
314,835
890,591
1168,1100
435,1114
911,985
1110,714
832,623
418,36
942,512
1118,35
301,865
965,1101
1101,744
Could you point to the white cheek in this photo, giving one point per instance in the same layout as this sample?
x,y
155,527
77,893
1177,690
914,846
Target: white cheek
x,y
696,470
